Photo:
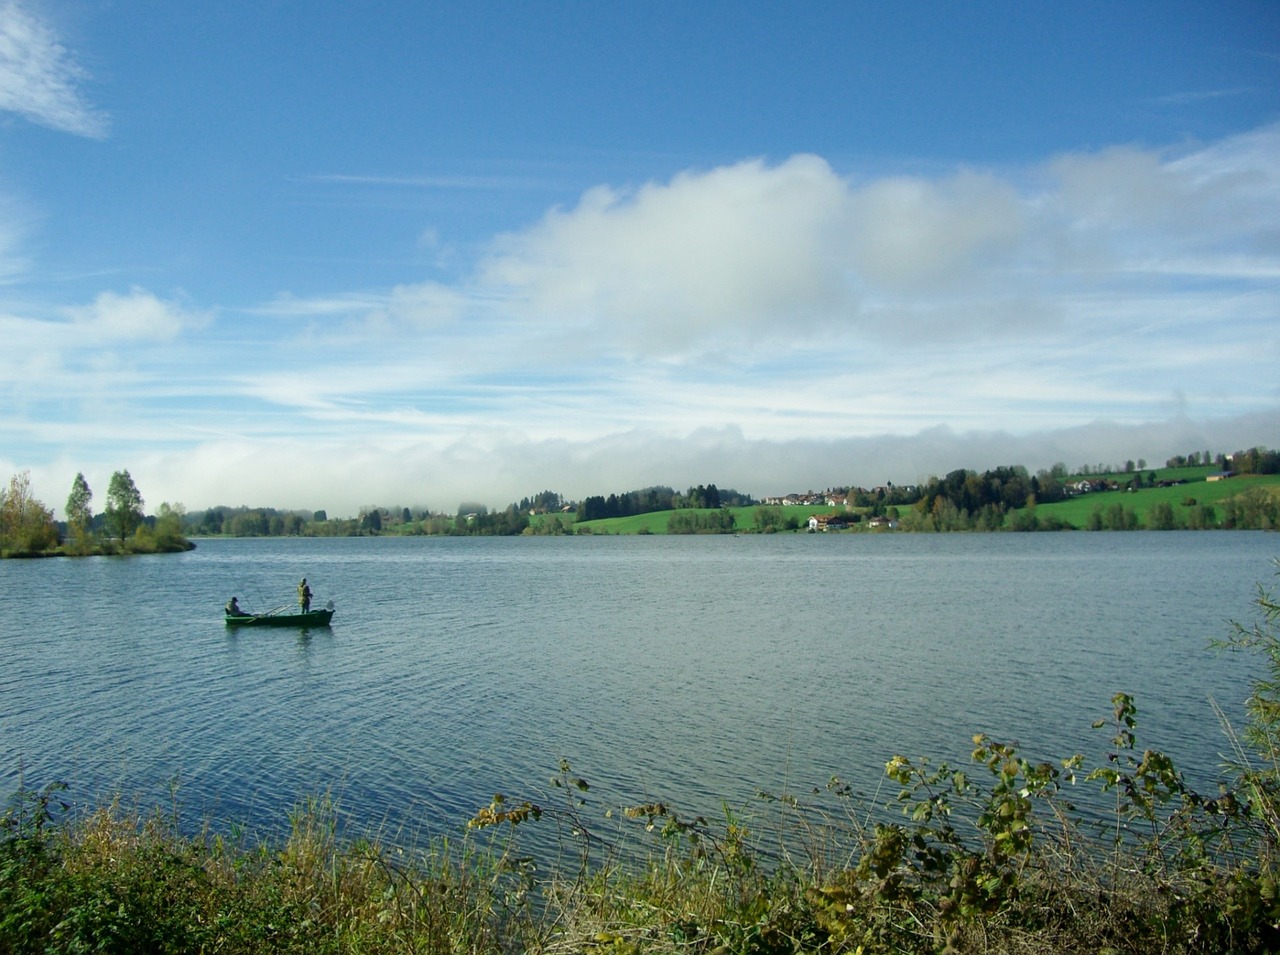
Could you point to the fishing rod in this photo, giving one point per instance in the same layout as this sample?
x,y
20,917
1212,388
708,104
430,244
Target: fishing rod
x,y
256,596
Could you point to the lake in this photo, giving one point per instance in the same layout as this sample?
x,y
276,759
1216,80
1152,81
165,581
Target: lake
x,y
695,670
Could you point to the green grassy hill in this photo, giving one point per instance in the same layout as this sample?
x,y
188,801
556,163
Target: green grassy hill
x,y
1183,498
1187,501
656,522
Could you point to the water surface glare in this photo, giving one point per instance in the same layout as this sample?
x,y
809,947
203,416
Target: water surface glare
x,y
693,670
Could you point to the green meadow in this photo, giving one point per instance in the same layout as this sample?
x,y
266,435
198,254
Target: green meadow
x,y
1183,498
659,521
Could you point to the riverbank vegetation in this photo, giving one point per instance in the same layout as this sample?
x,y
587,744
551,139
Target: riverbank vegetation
x,y
27,527
991,857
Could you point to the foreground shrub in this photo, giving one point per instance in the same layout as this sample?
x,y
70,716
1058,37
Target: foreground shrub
x,y
117,882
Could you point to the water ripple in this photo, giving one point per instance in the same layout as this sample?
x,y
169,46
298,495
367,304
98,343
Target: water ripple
x,y
693,671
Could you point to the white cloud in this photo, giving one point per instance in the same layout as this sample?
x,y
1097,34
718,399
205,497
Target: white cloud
x,y
291,306
138,316
283,472
1125,205
913,235
1121,188
38,349
752,255
423,306
97,356
38,77
741,250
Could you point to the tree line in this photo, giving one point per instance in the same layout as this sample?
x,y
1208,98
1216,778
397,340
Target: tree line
x,y
650,500
27,527
1256,461
248,522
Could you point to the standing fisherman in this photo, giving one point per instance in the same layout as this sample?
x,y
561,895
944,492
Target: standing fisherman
x,y
304,595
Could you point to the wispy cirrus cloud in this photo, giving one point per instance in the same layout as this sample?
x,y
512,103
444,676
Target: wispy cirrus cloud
x,y
39,78
13,261
466,183
419,305
1196,97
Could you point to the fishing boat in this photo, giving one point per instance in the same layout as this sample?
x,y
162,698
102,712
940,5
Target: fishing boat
x,y
278,618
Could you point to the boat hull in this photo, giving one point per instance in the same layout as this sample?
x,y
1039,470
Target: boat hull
x,y
312,618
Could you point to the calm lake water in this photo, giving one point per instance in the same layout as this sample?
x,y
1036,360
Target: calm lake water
x,y
693,670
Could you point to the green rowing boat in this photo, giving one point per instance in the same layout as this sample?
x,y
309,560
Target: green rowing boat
x,y
312,618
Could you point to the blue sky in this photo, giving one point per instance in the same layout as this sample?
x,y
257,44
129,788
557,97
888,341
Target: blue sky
x,y
331,255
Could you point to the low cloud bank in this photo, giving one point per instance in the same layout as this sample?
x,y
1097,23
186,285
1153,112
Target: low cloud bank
x,y
343,479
